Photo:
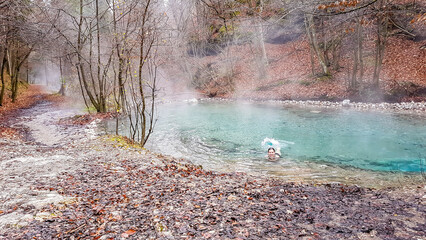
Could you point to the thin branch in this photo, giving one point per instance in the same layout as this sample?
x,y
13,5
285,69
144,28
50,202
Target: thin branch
x,y
345,12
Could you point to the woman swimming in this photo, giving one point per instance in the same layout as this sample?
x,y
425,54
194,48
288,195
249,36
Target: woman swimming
x,y
272,154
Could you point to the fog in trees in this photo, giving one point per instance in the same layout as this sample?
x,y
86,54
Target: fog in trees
x,y
123,56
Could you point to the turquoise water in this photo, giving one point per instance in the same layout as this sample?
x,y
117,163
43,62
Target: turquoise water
x,y
218,134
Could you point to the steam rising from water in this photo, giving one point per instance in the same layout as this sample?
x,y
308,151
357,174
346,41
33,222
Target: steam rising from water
x,y
327,144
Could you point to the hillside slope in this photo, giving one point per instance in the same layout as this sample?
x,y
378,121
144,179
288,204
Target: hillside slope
x,y
289,76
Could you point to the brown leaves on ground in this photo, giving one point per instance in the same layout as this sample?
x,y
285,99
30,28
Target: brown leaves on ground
x,y
178,200
288,74
33,94
26,98
128,233
29,95
10,133
59,100
86,118
113,194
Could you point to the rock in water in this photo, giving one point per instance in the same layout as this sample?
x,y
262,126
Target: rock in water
x,y
346,103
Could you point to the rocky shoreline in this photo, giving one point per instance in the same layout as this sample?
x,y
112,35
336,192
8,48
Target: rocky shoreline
x,y
403,106
409,107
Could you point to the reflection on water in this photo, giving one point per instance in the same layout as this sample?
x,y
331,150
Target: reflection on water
x,y
334,145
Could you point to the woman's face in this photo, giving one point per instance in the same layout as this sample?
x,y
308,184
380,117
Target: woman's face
x,y
271,153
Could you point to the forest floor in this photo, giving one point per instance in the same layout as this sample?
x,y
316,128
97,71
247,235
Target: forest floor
x,y
288,74
64,181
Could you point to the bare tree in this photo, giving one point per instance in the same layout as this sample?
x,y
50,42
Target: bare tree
x,y
4,26
2,67
313,40
85,30
141,105
358,65
382,33
23,32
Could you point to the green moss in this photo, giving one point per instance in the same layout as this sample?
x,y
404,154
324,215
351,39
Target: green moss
x,y
305,82
123,142
55,94
324,77
90,109
235,14
222,30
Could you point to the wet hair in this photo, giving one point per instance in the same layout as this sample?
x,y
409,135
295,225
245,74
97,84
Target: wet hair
x,y
271,148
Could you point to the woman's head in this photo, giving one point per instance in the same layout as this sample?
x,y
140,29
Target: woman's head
x,y
271,152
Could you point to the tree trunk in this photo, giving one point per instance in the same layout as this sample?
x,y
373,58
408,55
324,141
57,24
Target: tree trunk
x,y
101,100
80,65
82,88
14,66
28,75
336,53
2,68
15,82
360,51
353,83
142,95
11,67
259,43
325,49
45,73
153,97
121,91
357,59
62,78
143,56
121,97
311,33
311,49
382,32
261,38
3,64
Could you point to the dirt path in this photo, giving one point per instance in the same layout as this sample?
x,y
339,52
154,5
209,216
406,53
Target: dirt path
x,y
34,160
64,182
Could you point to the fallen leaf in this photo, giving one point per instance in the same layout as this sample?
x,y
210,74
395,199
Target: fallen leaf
x,y
128,233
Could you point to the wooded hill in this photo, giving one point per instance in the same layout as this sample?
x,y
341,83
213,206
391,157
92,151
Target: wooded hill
x,y
361,50
119,55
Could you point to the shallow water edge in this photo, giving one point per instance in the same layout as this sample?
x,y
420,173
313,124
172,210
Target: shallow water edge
x,y
408,107
304,170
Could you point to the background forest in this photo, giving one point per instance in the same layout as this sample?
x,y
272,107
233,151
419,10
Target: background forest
x,y
122,56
